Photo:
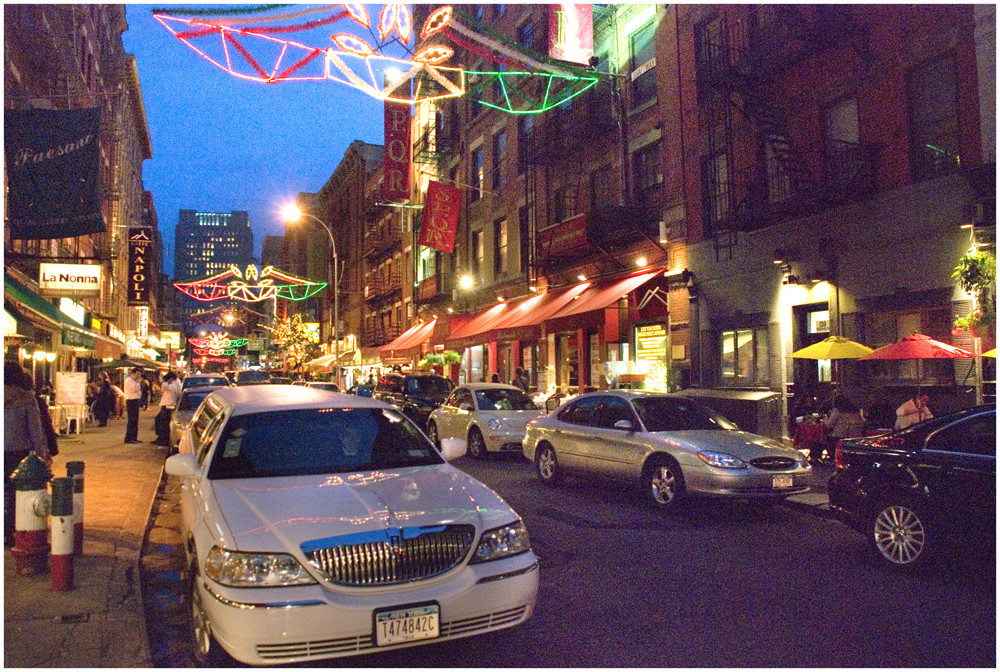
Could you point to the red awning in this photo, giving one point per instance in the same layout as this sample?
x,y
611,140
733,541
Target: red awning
x,y
603,294
407,343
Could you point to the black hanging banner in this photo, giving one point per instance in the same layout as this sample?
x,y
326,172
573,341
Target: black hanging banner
x,y
138,266
53,172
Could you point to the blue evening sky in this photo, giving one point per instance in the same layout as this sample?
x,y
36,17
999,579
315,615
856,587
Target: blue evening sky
x,y
221,143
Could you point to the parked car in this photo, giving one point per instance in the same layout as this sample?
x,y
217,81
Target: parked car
x,y
205,380
671,444
323,385
252,377
190,399
320,527
490,416
280,380
416,394
911,490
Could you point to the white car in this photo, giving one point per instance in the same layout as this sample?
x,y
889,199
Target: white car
x,y
490,416
320,526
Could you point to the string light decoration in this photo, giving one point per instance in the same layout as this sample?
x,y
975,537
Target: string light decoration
x,y
242,42
252,51
230,315
234,284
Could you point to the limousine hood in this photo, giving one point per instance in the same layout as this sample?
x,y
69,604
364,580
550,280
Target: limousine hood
x,y
283,513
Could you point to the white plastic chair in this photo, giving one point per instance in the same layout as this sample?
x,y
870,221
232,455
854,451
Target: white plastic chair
x,y
76,415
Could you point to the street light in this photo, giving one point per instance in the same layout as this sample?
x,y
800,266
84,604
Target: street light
x,y
293,214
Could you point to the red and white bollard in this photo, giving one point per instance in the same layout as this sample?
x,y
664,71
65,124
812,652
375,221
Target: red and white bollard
x,y
74,470
31,530
62,534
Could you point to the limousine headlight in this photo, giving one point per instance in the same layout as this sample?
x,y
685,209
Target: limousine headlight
x,y
254,570
502,542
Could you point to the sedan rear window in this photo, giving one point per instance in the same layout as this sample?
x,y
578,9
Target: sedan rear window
x,y
663,414
428,386
192,399
319,441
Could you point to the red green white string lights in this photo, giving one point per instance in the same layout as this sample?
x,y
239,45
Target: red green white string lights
x,y
234,284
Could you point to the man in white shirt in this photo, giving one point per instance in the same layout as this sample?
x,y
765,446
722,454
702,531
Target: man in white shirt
x,y
170,395
133,400
913,411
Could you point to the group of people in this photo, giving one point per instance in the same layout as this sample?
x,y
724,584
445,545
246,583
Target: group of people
x,y
842,418
520,380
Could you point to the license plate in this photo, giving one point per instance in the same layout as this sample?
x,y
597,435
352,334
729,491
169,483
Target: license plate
x,y
406,624
783,481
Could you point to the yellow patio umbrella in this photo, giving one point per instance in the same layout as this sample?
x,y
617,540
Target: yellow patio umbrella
x,y
991,353
833,347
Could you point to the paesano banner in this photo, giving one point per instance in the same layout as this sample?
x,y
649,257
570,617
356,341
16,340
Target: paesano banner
x,y
437,229
53,172
139,247
396,156
571,32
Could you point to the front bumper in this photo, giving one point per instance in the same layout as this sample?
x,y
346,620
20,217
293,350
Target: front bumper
x,y
308,623
745,483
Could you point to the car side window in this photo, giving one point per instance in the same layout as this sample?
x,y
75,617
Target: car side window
x,y
612,410
452,401
208,438
976,435
463,397
583,412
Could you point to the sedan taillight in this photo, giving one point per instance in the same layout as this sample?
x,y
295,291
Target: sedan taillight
x,y
838,456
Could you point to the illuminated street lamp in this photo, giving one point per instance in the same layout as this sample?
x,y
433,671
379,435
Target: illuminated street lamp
x,y
293,214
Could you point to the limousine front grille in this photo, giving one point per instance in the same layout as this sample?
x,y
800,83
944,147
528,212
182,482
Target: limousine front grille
x,y
392,556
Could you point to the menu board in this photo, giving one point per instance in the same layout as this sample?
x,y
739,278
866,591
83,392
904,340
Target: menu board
x,y
71,387
651,343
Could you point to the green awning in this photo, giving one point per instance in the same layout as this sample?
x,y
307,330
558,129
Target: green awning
x,y
26,298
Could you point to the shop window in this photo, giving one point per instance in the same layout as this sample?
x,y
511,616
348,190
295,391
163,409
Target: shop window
x,y
881,328
643,62
744,358
933,94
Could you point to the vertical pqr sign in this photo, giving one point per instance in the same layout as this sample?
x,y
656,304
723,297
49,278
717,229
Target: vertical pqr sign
x,y
139,244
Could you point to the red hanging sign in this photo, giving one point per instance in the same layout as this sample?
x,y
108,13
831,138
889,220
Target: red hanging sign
x,y
396,155
437,228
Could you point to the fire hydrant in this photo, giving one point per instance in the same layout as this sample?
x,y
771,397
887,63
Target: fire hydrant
x,y
31,530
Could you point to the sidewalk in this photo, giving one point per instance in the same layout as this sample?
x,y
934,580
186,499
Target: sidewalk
x,y
100,622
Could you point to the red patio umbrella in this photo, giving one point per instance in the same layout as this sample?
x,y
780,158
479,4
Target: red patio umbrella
x,y
919,346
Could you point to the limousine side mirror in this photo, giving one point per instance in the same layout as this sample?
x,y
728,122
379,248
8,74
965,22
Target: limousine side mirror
x,y
184,465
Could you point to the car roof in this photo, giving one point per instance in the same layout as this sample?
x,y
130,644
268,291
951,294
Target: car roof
x,y
269,398
203,389
205,375
490,386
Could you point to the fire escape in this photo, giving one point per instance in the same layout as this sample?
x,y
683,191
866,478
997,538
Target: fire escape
x,y
738,65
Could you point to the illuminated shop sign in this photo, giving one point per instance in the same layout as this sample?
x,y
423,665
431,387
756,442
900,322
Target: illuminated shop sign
x,y
69,279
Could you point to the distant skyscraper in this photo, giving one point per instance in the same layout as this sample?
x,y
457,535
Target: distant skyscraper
x,y
206,243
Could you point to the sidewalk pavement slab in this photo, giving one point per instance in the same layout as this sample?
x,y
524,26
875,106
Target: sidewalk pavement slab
x,y
100,622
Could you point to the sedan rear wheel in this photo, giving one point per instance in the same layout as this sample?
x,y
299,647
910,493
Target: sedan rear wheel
x,y
477,444
664,483
547,465
898,533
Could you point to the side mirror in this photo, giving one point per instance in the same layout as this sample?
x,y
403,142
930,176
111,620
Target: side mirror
x,y
183,465
624,424
551,404
452,449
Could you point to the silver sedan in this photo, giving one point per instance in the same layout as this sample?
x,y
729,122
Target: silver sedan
x,y
671,444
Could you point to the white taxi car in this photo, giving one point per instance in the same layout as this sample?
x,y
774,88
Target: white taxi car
x,y
490,416
320,525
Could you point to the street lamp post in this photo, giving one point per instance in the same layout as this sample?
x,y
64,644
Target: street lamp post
x,y
292,214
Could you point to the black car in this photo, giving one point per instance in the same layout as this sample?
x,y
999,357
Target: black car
x,y
415,394
910,490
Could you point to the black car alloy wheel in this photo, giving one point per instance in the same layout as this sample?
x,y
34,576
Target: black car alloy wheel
x,y
898,533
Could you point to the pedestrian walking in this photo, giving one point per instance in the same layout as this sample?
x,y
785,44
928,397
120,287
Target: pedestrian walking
x,y
520,379
133,400
22,434
105,401
170,394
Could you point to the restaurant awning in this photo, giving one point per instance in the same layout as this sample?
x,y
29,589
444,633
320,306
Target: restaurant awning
x,y
29,301
408,343
597,297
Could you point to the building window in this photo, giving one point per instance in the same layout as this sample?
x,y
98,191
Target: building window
x,y
646,164
715,190
525,125
602,188
500,248
500,9
933,92
744,358
565,202
642,65
478,253
526,34
477,175
499,145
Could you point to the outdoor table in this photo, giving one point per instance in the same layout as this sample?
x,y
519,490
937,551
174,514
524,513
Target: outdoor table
x,y
56,414
810,436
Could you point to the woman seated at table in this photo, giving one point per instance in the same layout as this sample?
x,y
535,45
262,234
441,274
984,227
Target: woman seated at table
x,y
844,421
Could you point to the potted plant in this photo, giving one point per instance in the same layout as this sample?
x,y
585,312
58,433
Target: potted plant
x,y
976,273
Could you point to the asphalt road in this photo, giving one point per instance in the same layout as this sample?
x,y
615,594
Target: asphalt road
x,y
713,585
